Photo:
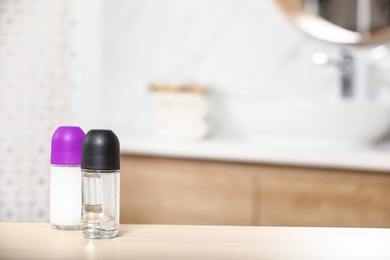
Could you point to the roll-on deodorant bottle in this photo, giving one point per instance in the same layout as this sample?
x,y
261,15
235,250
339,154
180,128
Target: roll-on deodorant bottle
x,y
100,184
65,178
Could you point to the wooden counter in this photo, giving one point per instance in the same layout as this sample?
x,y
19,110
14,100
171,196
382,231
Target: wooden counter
x,y
40,241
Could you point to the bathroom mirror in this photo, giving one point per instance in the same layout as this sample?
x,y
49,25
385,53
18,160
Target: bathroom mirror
x,y
341,21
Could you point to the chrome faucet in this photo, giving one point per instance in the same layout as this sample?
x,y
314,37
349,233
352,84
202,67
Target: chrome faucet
x,y
346,66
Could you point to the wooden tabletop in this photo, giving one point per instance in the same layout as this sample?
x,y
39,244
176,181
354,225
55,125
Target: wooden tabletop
x,y
40,241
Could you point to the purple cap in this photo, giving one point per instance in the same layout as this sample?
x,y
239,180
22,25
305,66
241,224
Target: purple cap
x,y
66,146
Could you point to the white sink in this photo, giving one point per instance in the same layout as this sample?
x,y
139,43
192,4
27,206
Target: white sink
x,y
337,123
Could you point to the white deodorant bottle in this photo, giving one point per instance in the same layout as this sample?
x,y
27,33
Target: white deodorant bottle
x,y
65,178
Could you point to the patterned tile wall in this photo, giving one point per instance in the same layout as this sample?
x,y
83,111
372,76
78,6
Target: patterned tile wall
x,y
36,86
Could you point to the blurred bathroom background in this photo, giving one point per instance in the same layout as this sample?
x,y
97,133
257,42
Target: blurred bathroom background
x,y
93,63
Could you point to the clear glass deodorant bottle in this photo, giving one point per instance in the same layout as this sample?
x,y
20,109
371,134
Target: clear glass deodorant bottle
x,y
100,167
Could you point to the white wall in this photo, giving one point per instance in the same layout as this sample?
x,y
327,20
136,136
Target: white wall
x,y
241,50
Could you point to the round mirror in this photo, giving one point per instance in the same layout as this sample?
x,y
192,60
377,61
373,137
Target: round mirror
x,y
341,21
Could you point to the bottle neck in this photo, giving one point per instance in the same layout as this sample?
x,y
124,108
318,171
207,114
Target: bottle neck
x,y
99,171
64,165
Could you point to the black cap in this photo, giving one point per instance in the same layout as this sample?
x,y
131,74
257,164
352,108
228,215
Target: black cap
x,y
100,151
